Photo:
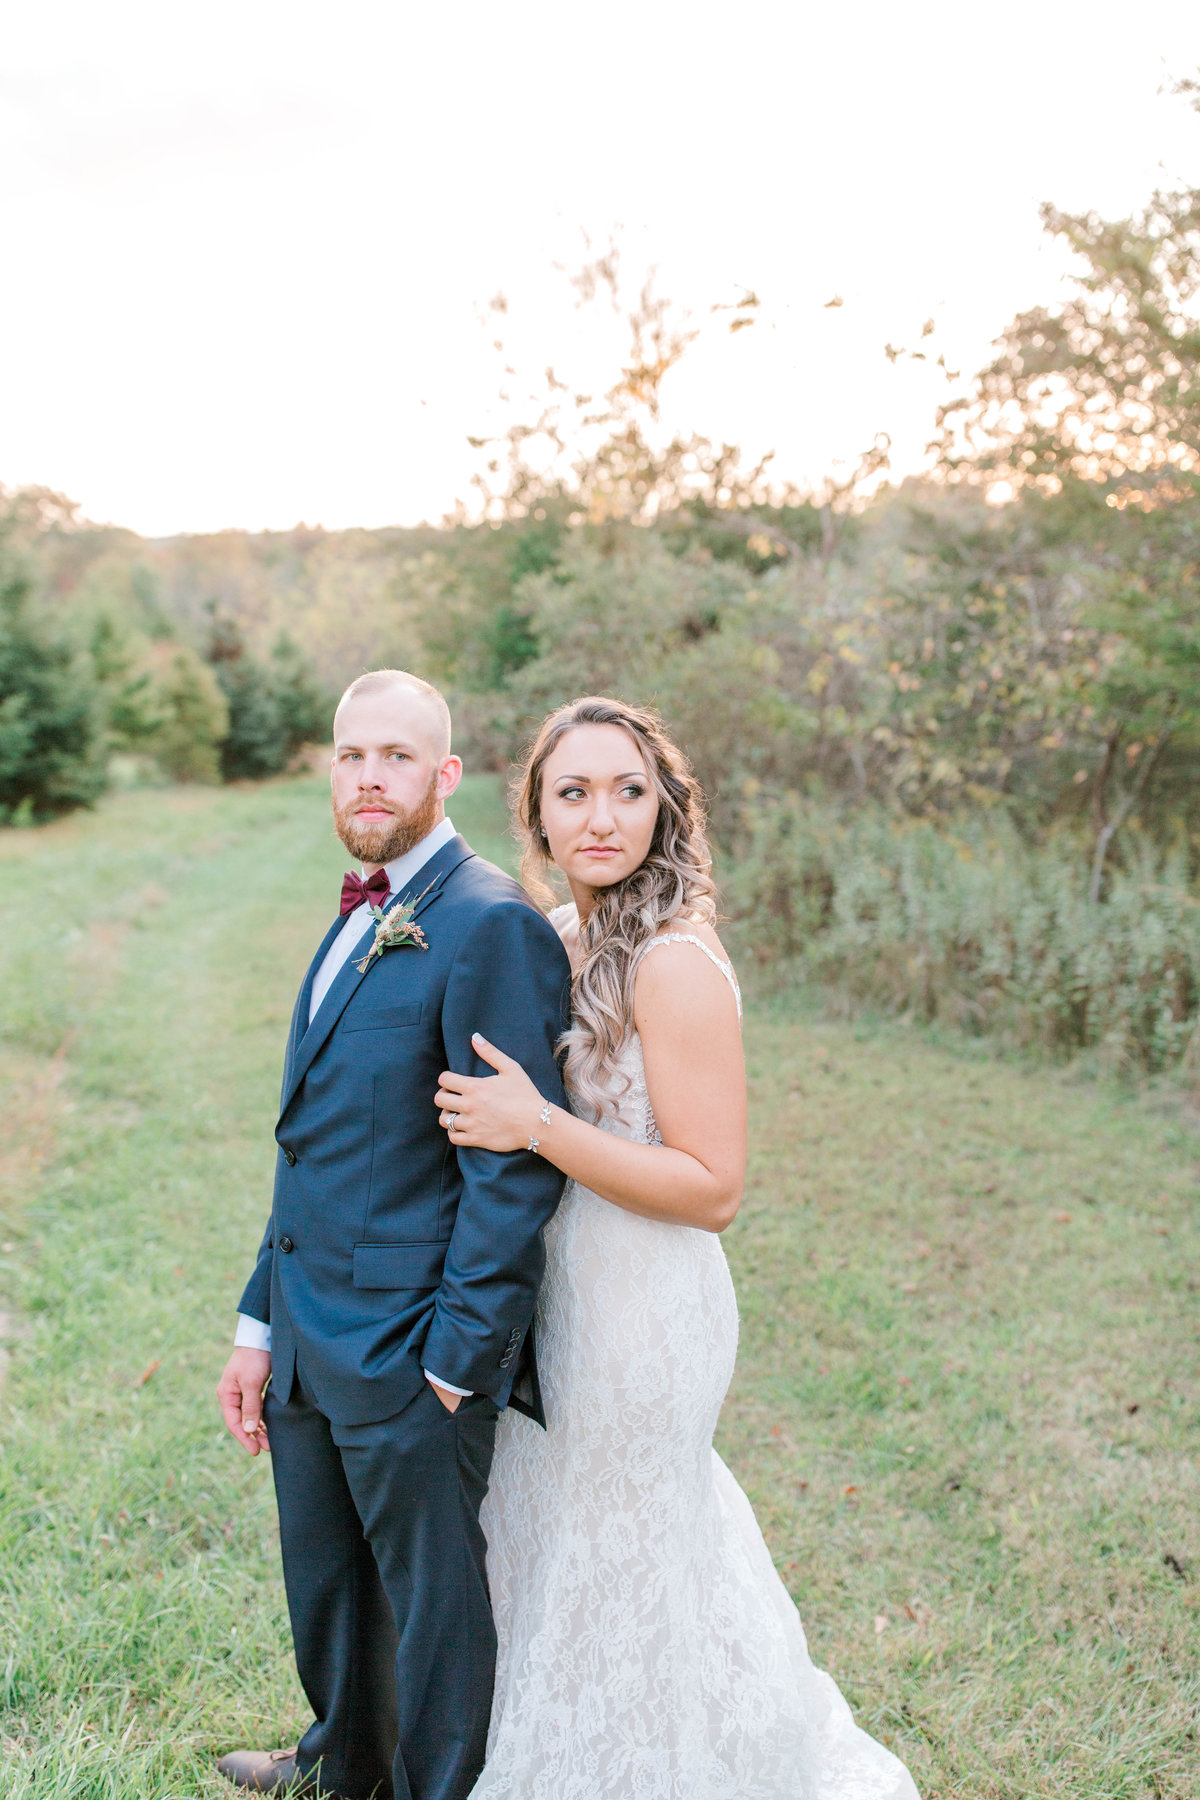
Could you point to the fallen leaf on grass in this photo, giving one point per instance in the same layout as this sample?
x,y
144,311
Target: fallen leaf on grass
x,y
1062,1218
145,1375
912,1615
881,1624
850,1490
1176,1567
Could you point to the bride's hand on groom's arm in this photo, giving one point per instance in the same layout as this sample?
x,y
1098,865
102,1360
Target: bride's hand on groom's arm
x,y
240,1392
489,1112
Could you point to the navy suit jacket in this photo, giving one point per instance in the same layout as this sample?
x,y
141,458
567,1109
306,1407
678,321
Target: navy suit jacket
x,y
387,1248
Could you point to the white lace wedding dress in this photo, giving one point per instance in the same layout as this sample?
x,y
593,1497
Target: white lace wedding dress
x,y
647,1648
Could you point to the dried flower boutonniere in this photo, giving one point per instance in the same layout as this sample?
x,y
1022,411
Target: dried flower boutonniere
x,y
394,929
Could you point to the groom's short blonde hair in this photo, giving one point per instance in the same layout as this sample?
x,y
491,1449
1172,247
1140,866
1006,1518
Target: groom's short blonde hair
x,y
439,712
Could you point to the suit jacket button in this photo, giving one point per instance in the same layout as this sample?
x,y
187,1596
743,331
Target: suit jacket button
x,y
289,1157
286,1245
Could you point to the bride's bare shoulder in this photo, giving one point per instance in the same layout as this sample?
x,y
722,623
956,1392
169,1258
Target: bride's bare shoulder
x,y
678,981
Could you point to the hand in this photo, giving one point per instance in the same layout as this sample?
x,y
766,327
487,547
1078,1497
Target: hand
x,y
450,1401
240,1391
493,1112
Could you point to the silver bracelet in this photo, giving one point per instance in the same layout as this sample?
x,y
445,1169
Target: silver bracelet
x,y
544,1116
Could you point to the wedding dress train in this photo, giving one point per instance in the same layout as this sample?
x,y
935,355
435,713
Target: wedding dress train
x,y
647,1648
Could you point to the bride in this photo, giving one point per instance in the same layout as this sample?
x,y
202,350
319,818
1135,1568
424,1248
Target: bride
x,y
647,1648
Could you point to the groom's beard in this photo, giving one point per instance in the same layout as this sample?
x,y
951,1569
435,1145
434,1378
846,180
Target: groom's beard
x,y
383,843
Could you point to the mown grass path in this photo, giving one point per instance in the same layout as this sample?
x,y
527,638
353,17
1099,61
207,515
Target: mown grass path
x,y
966,1405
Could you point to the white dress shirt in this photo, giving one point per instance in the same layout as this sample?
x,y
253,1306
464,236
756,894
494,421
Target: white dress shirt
x,y
255,1334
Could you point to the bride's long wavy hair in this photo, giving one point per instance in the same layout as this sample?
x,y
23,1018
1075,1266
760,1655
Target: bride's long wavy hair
x,y
674,880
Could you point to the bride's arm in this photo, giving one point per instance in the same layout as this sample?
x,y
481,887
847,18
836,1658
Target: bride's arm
x,y
687,1020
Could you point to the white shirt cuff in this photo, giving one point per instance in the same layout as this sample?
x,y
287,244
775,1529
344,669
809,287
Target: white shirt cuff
x,y
463,1393
251,1334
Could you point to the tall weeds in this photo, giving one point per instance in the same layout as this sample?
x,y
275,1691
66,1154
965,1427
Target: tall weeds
x,y
972,925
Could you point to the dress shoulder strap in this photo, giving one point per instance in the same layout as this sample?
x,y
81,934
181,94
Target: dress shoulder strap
x,y
687,937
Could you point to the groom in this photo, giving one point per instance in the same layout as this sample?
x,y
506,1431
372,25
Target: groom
x,y
390,1306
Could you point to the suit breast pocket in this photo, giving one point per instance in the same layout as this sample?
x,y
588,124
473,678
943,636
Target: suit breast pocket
x,y
384,1018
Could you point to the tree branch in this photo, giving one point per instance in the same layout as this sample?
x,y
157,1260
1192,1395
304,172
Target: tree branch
x,y
1128,801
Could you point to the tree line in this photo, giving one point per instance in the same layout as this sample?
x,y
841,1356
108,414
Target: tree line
x,y
1009,645
94,669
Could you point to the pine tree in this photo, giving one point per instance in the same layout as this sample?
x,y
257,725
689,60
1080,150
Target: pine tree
x,y
52,739
274,708
193,717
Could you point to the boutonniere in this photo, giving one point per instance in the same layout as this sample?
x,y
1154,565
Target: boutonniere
x,y
394,929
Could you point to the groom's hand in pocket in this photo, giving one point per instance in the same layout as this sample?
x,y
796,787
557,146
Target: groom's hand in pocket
x,y
450,1401
240,1391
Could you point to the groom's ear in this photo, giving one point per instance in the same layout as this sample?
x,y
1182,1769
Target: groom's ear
x,y
449,775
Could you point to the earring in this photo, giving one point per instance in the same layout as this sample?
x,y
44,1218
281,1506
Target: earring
x,y
545,839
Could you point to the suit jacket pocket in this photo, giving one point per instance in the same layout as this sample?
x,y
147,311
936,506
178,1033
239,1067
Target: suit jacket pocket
x,y
399,1265
383,1018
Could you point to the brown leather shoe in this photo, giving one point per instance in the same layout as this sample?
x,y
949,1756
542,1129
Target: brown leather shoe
x,y
269,1772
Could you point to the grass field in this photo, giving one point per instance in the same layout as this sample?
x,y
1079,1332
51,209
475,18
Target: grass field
x,y
966,1406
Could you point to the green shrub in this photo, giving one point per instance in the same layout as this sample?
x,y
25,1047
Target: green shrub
x,y
274,707
52,740
969,924
191,717
304,709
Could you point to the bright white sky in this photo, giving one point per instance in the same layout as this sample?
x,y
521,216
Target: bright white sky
x,y
245,244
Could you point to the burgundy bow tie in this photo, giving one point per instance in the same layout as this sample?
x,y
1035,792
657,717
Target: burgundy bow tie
x,y
375,890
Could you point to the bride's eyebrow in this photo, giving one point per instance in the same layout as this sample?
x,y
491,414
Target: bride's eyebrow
x,y
629,775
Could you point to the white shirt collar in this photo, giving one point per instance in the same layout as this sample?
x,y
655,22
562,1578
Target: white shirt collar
x,y
401,872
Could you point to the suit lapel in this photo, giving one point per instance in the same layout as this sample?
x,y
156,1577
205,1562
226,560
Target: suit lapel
x,y
300,1015
425,887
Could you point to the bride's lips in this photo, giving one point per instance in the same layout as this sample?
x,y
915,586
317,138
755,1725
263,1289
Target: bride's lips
x,y
600,851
